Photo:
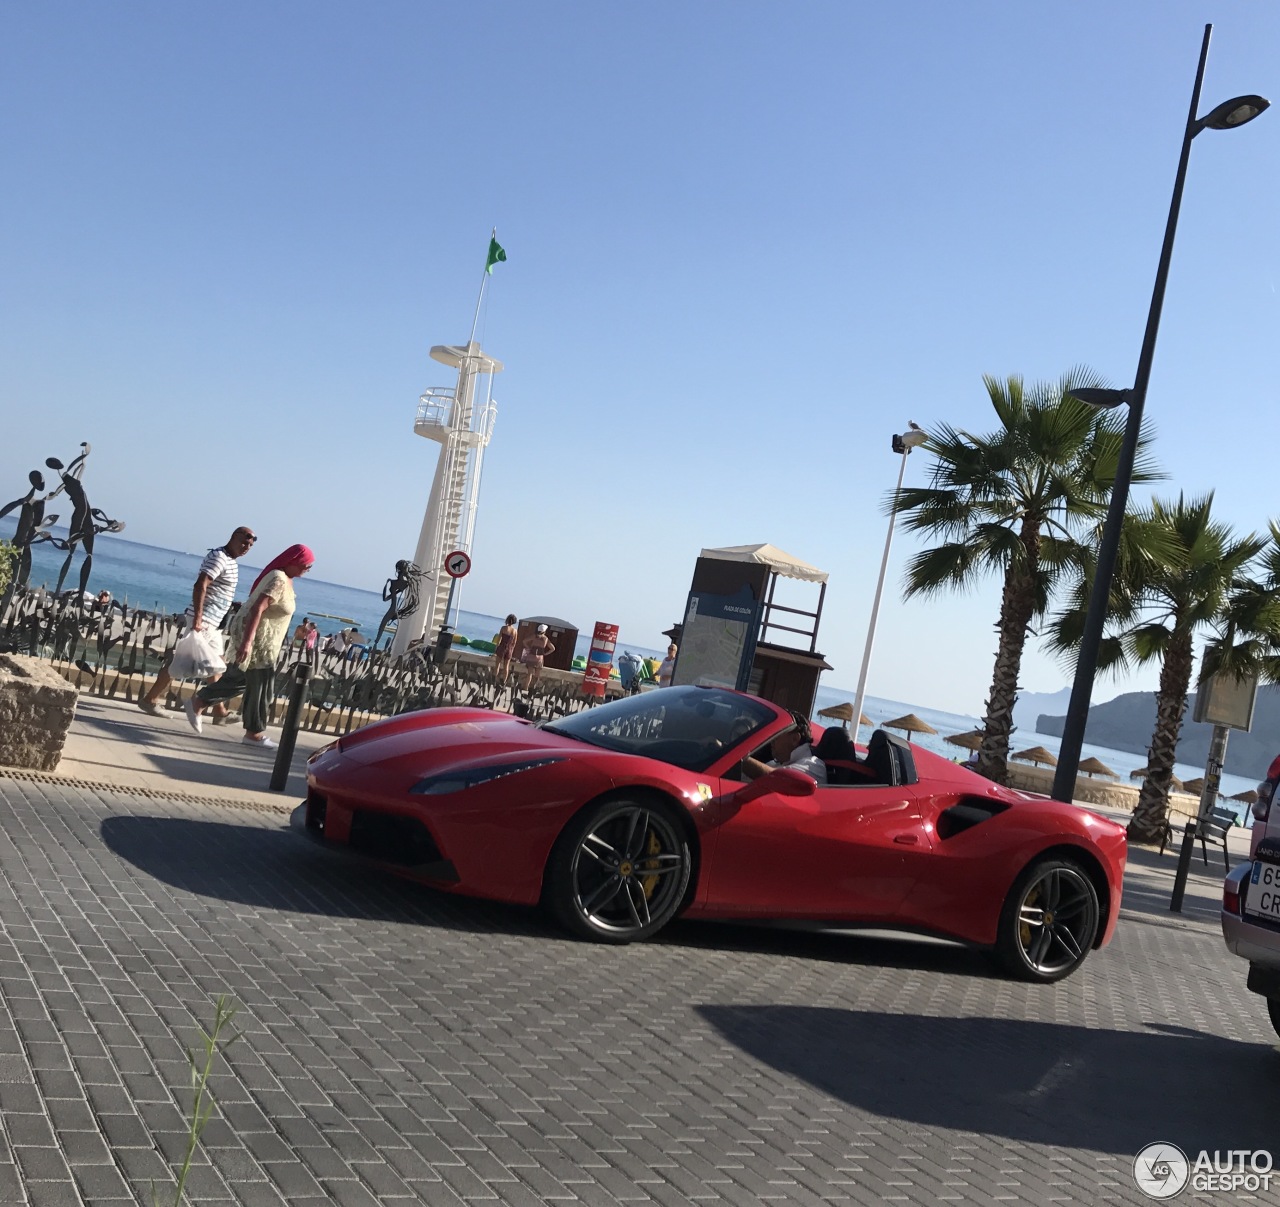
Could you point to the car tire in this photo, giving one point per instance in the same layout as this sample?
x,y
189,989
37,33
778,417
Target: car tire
x,y
1273,1009
620,870
1049,922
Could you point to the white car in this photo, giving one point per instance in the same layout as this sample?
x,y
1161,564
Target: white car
x,y
1251,899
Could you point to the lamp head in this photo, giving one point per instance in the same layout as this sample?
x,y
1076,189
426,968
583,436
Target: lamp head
x,y
1105,400
1233,113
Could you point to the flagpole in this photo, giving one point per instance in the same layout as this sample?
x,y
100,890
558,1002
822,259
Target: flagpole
x,y
484,276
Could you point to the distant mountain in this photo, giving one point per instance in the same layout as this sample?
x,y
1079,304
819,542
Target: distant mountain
x,y
1127,722
1030,705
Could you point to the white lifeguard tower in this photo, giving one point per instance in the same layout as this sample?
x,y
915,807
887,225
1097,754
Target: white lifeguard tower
x,y
463,429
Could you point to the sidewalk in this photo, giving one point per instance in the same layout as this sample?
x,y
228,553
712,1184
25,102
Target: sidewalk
x,y
113,743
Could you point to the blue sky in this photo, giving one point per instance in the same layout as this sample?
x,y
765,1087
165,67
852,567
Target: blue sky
x,y
747,242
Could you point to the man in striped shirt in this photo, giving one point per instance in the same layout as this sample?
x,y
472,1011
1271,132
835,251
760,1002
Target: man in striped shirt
x,y
211,598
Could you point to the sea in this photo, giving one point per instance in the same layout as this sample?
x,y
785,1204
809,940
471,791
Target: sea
x,y
145,576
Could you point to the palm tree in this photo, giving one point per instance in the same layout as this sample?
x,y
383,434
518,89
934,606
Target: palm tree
x,y
1160,606
1010,504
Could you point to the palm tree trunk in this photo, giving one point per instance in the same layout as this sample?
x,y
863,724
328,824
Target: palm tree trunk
x,y
1152,808
1016,610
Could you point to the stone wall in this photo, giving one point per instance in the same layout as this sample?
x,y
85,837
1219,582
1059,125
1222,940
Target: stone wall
x,y
36,708
1090,791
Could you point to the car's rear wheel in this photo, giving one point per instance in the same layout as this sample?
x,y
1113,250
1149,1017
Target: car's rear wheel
x,y
1273,1009
619,871
1049,922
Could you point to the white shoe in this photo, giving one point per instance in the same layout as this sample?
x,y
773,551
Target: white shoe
x,y
197,722
266,742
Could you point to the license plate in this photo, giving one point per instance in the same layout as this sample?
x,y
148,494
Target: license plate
x,y
1263,897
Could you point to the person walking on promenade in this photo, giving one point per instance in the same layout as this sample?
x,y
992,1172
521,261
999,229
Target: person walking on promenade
x,y
506,649
215,588
535,649
259,632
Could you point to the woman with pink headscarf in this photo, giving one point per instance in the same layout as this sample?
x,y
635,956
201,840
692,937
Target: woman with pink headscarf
x,y
257,634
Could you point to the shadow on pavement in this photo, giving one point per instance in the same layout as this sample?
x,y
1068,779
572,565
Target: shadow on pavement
x,y
249,771
1040,1083
276,869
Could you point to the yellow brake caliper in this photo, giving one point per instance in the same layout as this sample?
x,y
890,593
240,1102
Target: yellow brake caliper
x,y
648,883
1024,928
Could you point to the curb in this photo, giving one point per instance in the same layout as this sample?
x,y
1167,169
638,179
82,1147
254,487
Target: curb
x,y
49,777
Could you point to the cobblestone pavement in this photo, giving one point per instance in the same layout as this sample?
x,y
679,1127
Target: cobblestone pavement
x,y
403,1046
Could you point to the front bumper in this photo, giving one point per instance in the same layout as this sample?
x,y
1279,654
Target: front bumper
x,y
381,839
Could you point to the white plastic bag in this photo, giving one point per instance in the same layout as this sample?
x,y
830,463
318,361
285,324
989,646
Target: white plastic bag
x,y
196,657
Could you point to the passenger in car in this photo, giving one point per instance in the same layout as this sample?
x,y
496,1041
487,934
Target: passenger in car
x,y
791,748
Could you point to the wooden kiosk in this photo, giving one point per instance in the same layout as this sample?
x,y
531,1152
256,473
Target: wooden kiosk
x,y
730,617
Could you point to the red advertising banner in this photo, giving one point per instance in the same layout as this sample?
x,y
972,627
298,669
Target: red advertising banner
x,y
600,659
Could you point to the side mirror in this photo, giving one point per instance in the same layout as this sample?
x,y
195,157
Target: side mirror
x,y
781,781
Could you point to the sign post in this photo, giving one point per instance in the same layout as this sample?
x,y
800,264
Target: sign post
x,y
456,565
1226,703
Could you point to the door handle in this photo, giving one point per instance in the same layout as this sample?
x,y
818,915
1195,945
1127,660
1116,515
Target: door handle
x,y
906,840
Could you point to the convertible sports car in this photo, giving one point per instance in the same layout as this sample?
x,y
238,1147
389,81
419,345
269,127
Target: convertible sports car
x,y
620,817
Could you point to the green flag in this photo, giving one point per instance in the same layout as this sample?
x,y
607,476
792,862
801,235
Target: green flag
x,y
495,254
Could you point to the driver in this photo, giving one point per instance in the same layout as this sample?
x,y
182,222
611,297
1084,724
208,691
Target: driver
x,y
791,748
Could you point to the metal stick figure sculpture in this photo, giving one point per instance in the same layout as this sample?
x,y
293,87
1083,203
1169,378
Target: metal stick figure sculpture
x,y
32,523
86,522
401,593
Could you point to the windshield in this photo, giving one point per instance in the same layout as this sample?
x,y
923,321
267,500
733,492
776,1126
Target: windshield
x,y
689,727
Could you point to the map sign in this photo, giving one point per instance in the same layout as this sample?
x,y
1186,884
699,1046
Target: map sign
x,y
719,640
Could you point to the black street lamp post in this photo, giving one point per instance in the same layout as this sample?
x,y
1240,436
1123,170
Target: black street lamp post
x,y
1232,113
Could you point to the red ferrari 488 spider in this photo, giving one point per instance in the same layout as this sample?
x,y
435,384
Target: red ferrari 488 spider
x,y
620,817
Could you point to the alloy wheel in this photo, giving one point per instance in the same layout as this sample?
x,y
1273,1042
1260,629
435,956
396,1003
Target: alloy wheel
x,y
629,870
1057,919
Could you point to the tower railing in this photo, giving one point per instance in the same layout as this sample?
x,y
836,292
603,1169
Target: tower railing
x,y
434,408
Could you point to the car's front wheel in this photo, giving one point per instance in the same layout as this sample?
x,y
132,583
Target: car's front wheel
x,y
1049,922
1273,1009
619,871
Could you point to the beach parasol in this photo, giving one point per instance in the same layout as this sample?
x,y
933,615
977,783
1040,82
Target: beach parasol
x,y
909,724
1092,766
843,712
1195,786
1037,755
1248,796
971,739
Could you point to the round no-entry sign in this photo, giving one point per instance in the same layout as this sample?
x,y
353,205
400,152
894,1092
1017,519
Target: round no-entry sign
x,y
457,564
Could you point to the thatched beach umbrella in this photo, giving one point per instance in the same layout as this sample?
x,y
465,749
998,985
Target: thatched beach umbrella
x,y
1195,786
1037,755
910,724
1248,796
843,712
1092,766
971,739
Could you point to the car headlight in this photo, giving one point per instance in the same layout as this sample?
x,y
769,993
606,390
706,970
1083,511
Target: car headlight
x,y
315,754
470,777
